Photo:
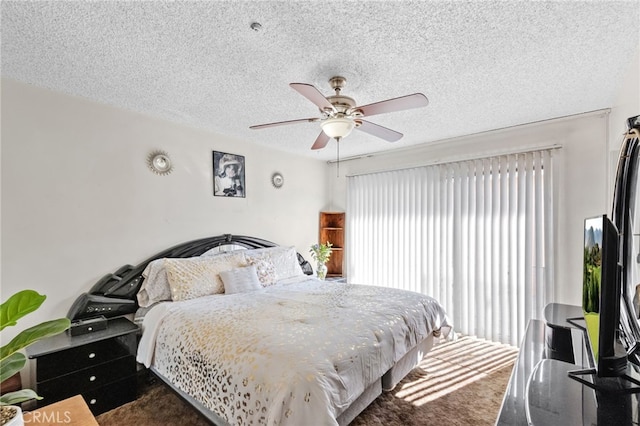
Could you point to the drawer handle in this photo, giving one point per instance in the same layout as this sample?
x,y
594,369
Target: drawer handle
x,y
93,401
92,355
92,378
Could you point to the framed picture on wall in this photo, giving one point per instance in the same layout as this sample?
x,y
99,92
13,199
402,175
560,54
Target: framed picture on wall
x,y
228,175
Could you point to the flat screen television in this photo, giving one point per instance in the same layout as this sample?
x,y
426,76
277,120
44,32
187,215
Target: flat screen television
x,y
601,295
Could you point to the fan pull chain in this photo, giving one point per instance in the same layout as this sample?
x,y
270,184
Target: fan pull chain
x,y
337,157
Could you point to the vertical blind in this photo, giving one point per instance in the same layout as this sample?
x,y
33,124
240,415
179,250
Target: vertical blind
x,y
476,235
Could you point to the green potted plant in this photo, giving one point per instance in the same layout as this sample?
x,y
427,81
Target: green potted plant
x,y
321,254
11,360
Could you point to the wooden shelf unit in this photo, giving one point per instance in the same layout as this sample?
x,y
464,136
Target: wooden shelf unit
x,y
332,230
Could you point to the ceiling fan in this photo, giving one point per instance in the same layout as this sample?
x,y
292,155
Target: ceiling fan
x,y
339,114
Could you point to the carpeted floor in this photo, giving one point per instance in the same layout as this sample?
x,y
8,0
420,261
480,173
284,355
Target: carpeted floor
x,y
458,383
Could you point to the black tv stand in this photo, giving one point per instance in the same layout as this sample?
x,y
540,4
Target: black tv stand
x,y
633,353
540,391
623,384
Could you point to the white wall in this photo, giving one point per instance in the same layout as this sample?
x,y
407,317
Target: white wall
x,y
625,105
627,101
580,178
78,200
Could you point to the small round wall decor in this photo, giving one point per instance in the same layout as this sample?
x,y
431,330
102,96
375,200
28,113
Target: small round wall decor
x,y
159,163
277,180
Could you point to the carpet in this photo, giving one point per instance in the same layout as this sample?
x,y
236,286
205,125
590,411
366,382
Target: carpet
x,y
458,383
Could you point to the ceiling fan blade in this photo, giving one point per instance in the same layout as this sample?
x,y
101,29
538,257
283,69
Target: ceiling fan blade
x,y
416,100
310,92
282,123
321,141
379,131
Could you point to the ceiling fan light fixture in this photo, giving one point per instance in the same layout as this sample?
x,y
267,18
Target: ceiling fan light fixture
x,y
339,114
337,127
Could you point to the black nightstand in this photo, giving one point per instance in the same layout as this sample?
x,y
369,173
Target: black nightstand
x,y
100,366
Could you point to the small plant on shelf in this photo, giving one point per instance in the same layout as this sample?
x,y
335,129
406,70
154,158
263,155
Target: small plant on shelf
x,y
12,361
321,254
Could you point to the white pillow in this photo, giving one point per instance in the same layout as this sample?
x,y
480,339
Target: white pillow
x,y
284,260
240,280
265,270
199,276
155,287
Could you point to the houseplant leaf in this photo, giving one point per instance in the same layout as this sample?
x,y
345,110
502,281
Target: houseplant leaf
x,y
30,335
13,398
11,365
11,361
19,305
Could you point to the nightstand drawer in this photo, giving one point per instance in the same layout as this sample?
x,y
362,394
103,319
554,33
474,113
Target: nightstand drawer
x,y
111,396
74,359
87,379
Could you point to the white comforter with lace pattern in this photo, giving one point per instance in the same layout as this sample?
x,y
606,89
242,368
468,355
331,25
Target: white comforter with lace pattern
x,y
292,354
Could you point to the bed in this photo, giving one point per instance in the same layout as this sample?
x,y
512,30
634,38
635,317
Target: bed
x,y
247,335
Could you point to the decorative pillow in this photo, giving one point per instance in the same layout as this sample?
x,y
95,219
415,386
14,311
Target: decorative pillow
x,y
284,260
265,270
199,276
155,287
240,280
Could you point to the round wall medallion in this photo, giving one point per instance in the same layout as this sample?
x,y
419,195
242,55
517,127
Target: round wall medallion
x,y
277,180
159,163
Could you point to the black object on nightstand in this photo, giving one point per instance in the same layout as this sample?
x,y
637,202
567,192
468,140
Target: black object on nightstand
x,y
100,366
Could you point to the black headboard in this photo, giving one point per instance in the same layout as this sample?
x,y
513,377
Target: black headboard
x,y
115,294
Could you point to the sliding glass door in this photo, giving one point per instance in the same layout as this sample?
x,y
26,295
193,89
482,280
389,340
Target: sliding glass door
x,y
476,235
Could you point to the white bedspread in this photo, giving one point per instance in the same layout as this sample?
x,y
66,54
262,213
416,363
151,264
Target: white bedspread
x,y
293,354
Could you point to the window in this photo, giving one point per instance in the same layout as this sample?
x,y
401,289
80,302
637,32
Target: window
x,y
476,235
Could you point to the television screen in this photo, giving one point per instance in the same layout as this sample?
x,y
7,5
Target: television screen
x,y
592,278
601,295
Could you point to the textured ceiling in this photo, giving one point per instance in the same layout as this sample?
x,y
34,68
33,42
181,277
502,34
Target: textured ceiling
x,y
483,65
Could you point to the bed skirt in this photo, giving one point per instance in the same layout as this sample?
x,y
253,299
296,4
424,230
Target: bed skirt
x,y
407,363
